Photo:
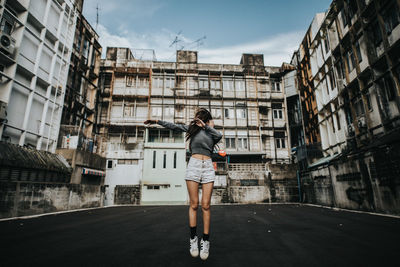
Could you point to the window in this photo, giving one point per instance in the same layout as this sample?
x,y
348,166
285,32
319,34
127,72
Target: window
x,y
85,52
227,85
157,82
386,83
376,33
154,159
142,82
351,62
168,111
280,142
203,84
153,187
109,164
368,98
128,110
241,113
359,106
169,82
280,139
156,111
7,23
340,69
216,113
230,142
242,143
276,86
78,44
391,18
215,84
130,80
332,79
277,110
352,7
175,155
326,43
228,113
277,113
240,86
337,120
358,50
127,162
165,160
345,19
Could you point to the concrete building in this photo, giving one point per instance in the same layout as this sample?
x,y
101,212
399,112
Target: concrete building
x,y
77,139
348,66
36,47
246,101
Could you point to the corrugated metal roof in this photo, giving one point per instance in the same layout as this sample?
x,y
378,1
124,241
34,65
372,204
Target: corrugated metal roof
x,y
18,156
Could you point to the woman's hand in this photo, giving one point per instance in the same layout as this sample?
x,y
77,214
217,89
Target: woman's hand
x,y
150,121
199,123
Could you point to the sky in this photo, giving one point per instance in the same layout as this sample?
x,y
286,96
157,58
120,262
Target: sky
x,y
220,30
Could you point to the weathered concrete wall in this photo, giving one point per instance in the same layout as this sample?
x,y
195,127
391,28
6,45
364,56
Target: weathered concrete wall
x,y
127,194
256,183
27,198
249,194
368,182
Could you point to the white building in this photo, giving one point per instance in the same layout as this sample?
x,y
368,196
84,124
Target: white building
x,y
35,53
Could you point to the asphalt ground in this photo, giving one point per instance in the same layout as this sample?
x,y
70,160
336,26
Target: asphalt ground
x,y
241,235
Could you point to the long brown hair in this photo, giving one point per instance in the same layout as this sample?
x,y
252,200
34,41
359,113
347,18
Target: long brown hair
x,y
202,114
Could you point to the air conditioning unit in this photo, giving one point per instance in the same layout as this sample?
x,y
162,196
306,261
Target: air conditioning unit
x,y
361,122
7,43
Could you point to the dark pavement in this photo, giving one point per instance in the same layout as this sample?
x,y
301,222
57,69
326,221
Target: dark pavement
x,y
241,235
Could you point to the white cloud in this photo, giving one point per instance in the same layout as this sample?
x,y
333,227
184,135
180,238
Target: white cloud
x,y
276,49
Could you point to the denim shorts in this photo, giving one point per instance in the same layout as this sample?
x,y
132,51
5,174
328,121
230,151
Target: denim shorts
x,y
200,171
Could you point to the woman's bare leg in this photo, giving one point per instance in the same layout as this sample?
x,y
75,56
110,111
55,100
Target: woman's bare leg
x,y
193,190
205,205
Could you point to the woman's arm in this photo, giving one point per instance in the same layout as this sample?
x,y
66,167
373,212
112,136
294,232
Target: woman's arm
x,y
216,135
173,126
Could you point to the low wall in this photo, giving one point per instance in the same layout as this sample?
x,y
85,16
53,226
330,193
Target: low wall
x,y
368,182
259,182
28,198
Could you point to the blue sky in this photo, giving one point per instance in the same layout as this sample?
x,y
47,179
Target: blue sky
x,y
271,27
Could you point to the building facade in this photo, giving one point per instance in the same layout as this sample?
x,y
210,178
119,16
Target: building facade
x,y
35,53
77,139
246,102
348,63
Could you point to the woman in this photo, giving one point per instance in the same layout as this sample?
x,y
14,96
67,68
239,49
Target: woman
x,y
202,139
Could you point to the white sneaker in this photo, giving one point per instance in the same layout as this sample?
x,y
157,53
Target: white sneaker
x,y
194,247
204,249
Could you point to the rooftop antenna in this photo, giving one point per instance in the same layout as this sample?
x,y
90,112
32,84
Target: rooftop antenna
x,y
176,41
200,41
97,15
